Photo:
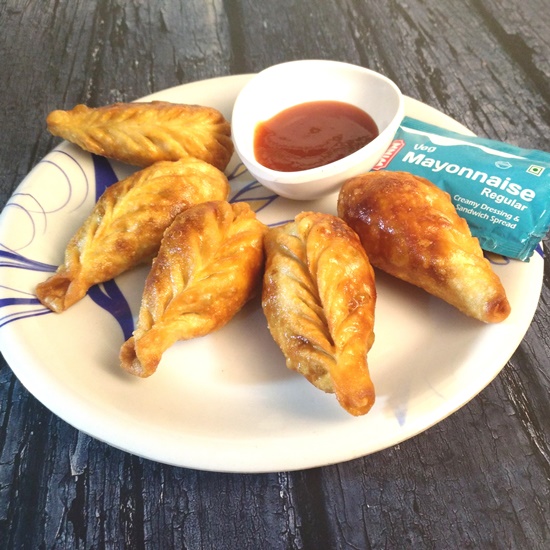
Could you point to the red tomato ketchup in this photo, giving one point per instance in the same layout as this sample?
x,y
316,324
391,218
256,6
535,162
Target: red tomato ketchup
x,y
312,134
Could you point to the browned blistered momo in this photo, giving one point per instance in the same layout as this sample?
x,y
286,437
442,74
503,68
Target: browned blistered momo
x,y
144,133
319,297
410,229
209,265
125,227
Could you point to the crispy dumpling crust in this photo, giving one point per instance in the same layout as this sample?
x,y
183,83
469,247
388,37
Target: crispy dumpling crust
x,y
319,298
144,133
209,265
125,227
411,230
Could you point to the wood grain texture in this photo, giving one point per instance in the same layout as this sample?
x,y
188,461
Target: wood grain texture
x,y
479,479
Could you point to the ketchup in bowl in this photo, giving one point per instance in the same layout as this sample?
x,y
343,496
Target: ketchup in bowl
x,y
312,134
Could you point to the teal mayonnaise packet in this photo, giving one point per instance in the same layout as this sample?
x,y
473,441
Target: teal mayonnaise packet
x,y
502,191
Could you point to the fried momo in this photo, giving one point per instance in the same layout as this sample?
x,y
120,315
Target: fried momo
x,y
144,133
209,265
126,226
411,230
319,297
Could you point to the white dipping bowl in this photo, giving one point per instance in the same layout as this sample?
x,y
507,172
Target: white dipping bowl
x,y
287,84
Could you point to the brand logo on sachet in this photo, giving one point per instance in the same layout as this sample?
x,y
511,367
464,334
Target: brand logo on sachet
x,y
390,153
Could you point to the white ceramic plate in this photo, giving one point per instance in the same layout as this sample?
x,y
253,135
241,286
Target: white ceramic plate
x,y
226,402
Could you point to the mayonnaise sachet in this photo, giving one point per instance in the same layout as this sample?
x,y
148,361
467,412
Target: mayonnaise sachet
x,y
502,191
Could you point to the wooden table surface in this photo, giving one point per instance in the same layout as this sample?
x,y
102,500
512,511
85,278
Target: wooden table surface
x,y
478,479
